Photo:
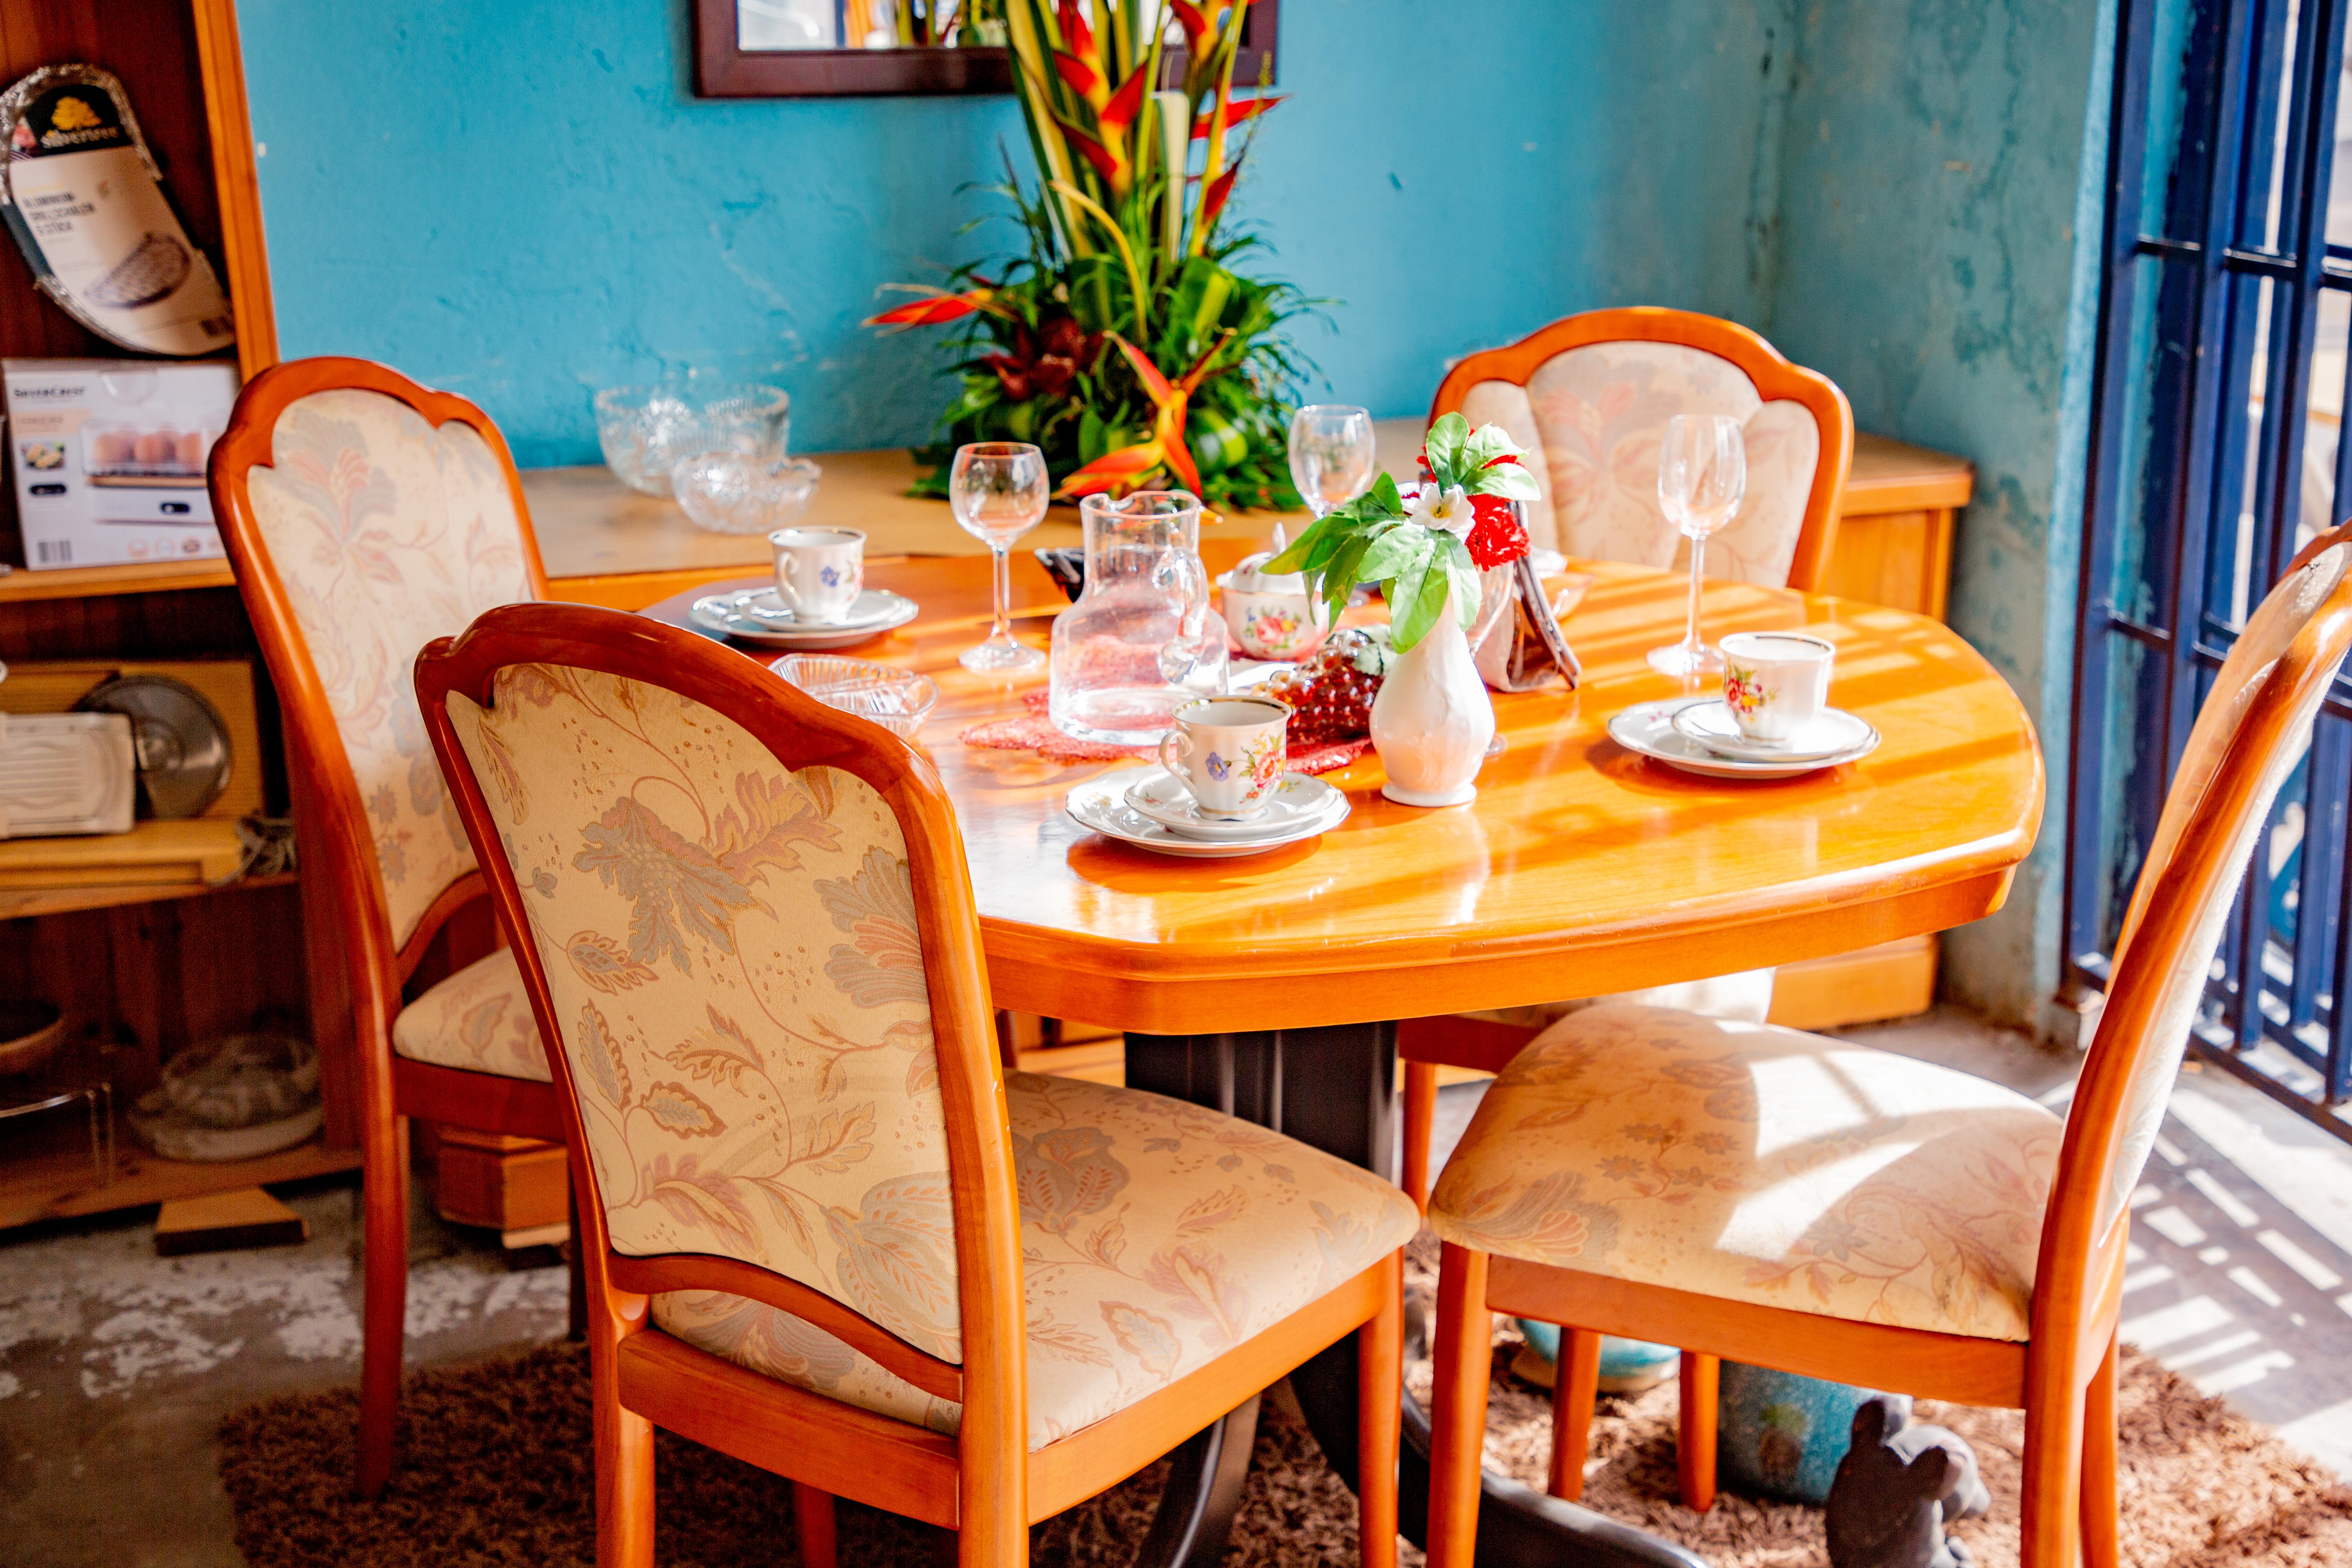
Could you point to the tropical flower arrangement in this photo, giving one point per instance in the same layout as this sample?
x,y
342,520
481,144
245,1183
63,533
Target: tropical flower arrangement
x,y
1124,341
1458,524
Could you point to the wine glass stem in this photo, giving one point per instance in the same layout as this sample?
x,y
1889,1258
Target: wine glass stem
x,y
1002,630
1691,643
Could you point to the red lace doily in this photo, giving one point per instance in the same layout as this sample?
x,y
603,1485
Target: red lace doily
x,y
1032,731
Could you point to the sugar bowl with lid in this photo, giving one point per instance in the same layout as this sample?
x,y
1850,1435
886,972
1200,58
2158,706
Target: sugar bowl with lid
x,y
1271,616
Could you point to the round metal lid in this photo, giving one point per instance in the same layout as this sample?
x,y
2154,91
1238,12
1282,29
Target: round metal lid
x,y
180,741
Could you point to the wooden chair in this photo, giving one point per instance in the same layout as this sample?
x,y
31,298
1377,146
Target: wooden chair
x,y
365,515
1806,1203
826,1231
1590,396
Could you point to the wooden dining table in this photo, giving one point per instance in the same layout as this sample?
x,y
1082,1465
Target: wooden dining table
x,y
1271,986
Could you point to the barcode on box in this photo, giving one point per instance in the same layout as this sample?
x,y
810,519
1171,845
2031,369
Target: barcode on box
x,y
53,552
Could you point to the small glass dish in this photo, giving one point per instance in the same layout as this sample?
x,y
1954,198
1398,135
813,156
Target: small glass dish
x,y
727,492
897,700
645,430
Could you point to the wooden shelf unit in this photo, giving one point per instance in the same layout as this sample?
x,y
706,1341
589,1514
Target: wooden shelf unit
x,y
152,963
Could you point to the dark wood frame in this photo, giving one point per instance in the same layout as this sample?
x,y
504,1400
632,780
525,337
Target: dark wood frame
x,y
2063,1377
352,946
984,1483
722,69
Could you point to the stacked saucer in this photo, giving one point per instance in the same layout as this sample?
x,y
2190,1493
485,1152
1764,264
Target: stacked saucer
x,y
1699,736
760,615
1154,811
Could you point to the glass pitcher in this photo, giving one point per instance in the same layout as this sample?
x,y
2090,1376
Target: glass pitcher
x,y
1141,640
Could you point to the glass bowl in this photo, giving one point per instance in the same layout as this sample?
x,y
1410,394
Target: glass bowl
x,y
645,430
897,700
727,492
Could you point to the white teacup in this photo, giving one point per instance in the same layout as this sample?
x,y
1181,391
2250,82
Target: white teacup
x,y
1775,683
820,572
1229,751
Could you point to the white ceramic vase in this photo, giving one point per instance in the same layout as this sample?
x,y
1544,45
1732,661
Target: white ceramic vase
x,y
1432,719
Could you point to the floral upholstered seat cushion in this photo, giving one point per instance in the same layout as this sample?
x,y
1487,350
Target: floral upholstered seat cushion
x,y
1156,1235
1755,1163
477,1019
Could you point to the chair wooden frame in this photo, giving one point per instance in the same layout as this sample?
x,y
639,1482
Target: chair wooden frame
x,y
340,869
1427,1044
2063,1377
984,1483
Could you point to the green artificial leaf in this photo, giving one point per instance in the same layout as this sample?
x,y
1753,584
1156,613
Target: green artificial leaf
x,y
1392,550
1340,575
1383,497
1510,480
1404,592
1442,446
1464,574
1302,552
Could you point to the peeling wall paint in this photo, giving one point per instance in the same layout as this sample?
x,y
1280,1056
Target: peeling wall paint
x,y
1940,196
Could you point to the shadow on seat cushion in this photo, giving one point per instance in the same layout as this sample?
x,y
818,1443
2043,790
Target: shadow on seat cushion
x,y
1156,1235
1755,1163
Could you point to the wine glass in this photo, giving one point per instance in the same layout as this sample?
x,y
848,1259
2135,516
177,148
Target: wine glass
x,y
998,491
1331,456
1702,474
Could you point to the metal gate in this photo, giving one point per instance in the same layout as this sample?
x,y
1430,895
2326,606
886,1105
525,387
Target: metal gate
x,y
2214,456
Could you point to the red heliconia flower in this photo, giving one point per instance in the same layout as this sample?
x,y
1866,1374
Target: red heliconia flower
x,y
1248,108
1495,538
1219,189
936,306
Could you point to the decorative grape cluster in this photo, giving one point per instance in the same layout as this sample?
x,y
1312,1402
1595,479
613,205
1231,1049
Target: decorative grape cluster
x,y
1332,689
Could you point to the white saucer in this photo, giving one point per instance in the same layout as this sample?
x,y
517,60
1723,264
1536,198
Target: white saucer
x,y
1298,801
1832,732
1647,730
726,614
872,607
1100,805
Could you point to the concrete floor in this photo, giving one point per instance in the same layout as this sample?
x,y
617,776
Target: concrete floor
x,y
116,1364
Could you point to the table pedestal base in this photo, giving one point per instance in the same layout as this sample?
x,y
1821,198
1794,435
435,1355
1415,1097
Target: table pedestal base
x,y
1335,1089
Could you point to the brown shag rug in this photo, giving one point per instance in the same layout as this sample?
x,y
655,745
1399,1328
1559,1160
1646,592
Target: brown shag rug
x,y
497,1472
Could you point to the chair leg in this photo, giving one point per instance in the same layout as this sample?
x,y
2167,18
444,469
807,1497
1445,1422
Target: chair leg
x,y
1420,1114
2050,1509
1695,1449
2101,1545
575,1254
383,1301
1380,1420
625,1483
813,1516
1575,1383
1463,1361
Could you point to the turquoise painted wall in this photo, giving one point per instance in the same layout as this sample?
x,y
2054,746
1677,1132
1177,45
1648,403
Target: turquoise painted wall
x,y
523,202
1939,198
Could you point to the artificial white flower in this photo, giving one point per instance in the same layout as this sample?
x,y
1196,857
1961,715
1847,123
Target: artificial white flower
x,y
1448,510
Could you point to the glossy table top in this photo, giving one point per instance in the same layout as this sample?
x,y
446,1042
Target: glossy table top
x,y
1580,868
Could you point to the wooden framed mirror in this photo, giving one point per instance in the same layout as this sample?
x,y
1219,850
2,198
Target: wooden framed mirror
x,y
807,49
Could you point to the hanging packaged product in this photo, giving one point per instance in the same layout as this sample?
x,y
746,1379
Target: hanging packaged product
x,y
86,202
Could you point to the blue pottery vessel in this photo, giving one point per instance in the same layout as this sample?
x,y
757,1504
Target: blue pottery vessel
x,y
1781,1435
1625,1364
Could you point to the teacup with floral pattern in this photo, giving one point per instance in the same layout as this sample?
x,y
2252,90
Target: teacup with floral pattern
x,y
1775,683
1229,751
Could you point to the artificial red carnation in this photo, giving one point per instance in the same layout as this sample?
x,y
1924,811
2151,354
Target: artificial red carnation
x,y
1495,538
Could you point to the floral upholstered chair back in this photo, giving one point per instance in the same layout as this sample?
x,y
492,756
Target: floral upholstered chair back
x,y
1595,414
387,531
735,966
2319,585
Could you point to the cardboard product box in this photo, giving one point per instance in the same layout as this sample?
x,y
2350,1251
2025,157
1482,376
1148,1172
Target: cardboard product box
x,y
109,457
